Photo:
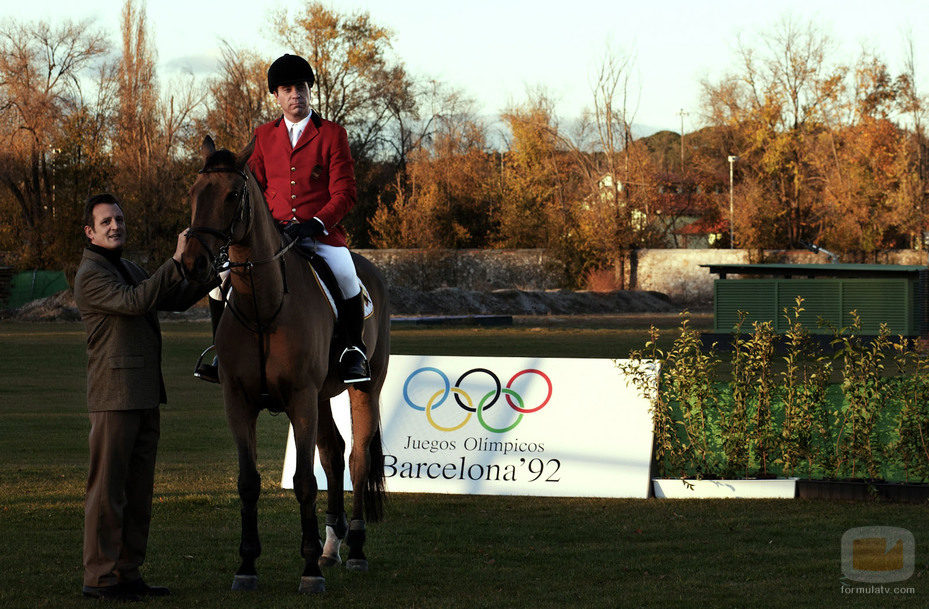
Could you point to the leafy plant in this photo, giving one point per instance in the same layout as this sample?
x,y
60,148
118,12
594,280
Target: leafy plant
x,y
643,371
911,445
760,348
680,384
734,418
805,381
778,415
689,378
865,390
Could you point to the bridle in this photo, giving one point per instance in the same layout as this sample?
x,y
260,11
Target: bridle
x,y
220,260
243,216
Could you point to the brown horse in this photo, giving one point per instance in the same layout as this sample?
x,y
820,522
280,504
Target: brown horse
x,y
275,352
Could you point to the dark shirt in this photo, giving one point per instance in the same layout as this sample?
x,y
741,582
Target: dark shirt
x,y
115,258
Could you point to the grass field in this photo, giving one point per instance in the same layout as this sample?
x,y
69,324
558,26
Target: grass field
x,y
432,550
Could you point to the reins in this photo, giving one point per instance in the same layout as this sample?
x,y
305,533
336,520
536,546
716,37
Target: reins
x,y
220,262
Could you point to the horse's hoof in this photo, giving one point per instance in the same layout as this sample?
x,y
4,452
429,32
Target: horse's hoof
x,y
310,584
329,561
357,564
245,583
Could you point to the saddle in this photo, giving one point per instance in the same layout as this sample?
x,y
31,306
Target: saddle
x,y
328,284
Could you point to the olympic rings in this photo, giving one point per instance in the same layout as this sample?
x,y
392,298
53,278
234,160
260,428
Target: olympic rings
x,y
480,409
406,387
490,398
456,427
539,407
492,375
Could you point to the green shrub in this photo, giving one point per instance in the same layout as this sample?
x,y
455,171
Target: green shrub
x,y
785,405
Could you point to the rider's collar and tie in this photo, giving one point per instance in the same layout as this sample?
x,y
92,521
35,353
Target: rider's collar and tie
x,y
295,130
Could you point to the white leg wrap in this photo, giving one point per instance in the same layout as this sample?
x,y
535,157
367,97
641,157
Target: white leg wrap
x,y
332,545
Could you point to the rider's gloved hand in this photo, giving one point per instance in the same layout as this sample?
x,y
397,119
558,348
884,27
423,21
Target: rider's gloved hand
x,y
311,228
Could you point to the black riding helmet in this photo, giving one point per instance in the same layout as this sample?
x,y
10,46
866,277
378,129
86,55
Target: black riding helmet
x,y
288,70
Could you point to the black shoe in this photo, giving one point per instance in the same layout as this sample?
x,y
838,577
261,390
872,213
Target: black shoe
x,y
110,593
354,366
140,588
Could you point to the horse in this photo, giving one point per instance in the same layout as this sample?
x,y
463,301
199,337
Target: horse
x,y
275,352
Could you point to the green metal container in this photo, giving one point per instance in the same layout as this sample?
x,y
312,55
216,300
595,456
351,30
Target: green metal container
x,y
891,294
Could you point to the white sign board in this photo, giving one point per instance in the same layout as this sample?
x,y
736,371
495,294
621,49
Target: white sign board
x,y
507,426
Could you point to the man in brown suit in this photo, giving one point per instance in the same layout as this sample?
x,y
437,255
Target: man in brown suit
x,y
118,302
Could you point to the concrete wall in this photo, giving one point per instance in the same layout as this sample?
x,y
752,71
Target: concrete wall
x,y
675,272
479,270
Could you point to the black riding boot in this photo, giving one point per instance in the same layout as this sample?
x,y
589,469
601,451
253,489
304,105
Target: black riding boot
x,y
353,365
210,372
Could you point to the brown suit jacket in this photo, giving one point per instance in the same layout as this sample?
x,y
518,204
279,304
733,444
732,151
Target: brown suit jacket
x,y
123,334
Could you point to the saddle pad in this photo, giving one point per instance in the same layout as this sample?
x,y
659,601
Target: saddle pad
x,y
365,297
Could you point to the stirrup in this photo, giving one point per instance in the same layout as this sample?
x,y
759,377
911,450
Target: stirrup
x,y
356,371
207,372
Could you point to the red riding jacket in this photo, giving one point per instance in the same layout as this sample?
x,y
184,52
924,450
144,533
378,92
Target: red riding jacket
x,y
314,179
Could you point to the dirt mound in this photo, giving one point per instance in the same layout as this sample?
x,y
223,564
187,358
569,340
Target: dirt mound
x,y
442,301
61,307
58,307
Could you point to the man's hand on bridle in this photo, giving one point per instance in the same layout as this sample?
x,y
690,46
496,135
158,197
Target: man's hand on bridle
x,y
181,244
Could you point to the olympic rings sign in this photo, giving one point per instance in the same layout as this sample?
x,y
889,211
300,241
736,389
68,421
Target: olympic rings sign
x,y
466,402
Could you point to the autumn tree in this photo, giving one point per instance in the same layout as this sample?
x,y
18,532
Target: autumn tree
x,y
152,173
415,118
41,104
530,182
81,164
400,219
238,99
915,185
451,186
613,206
869,201
775,104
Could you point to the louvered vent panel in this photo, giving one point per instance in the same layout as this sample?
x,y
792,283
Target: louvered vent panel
x,y
879,300
755,296
820,300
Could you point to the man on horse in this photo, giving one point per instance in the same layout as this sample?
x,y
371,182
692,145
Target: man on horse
x,y
304,167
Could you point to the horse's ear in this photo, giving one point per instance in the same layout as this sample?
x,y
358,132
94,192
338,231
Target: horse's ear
x,y
245,154
207,148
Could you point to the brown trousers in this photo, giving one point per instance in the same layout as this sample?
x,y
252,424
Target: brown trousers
x,y
118,504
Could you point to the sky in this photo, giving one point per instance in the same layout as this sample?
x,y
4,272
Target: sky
x,y
497,50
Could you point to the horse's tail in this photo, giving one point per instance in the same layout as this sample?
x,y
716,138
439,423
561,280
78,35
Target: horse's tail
x,y
375,493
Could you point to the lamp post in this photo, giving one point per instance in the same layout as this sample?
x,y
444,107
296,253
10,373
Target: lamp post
x,y
732,160
683,114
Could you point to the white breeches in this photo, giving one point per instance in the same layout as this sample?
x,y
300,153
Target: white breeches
x,y
339,260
